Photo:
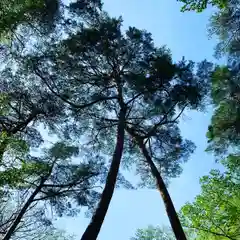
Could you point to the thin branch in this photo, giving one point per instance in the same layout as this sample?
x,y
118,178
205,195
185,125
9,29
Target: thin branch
x,y
69,102
135,97
212,232
161,122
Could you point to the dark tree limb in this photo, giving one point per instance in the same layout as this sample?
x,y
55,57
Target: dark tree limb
x,y
95,225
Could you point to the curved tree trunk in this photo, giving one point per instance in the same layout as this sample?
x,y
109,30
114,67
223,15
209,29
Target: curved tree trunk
x,y
170,209
93,229
25,207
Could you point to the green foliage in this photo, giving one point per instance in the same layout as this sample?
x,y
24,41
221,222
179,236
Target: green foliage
x,y
90,66
10,145
18,145
225,25
14,13
215,212
154,233
232,163
66,184
61,151
22,108
4,108
35,223
224,131
76,86
16,177
200,5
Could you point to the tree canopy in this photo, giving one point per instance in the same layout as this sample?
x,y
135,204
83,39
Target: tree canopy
x,y
111,98
154,233
26,13
215,212
200,5
224,24
223,133
134,83
34,225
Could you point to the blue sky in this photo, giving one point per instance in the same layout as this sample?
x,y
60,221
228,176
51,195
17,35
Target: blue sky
x,y
186,35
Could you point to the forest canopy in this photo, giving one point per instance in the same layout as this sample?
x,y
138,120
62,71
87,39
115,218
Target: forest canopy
x,y
84,99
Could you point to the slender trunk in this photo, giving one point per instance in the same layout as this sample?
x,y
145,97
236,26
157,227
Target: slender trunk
x,y
19,217
170,209
93,229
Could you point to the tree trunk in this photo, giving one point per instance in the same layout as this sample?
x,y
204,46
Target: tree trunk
x,y
93,229
170,209
19,217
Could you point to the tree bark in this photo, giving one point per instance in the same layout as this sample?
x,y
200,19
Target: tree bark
x,y
170,209
93,229
19,217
